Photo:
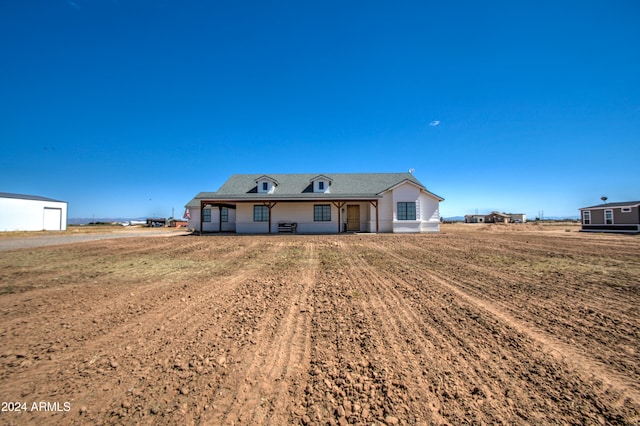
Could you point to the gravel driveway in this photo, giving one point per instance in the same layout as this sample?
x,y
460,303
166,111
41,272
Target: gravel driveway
x,y
11,243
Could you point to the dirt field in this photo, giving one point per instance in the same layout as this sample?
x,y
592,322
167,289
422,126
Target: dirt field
x,y
478,324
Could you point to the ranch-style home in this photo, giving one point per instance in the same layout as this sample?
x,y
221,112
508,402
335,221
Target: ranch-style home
x,y
317,204
612,217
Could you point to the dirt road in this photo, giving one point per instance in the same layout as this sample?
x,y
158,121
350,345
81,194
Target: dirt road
x,y
460,327
37,239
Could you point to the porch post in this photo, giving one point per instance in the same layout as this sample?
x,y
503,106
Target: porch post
x,y
339,205
219,218
201,211
270,205
374,203
377,227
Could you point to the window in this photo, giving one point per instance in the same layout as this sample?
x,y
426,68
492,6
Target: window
x,y
206,215
608,217
224,214
321,186
265,186
322,213
406,211
586,218
626,210
260,214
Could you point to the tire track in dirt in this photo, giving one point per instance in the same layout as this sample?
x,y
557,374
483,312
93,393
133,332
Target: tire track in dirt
x,y
537,243
610,332
49,302
408,361
480,268
254,304
347,383
459,388
380,343
174,333
585,366
301,330
258,391
608,337
138,335
403,332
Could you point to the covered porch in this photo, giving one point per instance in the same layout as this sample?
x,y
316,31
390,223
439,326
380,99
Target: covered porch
x,y
312,216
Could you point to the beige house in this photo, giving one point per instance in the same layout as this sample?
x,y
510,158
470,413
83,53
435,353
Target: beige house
x,y
612,217
317,203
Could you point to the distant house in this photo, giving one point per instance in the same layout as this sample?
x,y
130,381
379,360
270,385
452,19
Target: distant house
x,y
474,218
518,217
317,203
177,223
20,212
495,217
612,217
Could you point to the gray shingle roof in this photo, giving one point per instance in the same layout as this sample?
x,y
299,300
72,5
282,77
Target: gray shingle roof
x,y
298,186
609,205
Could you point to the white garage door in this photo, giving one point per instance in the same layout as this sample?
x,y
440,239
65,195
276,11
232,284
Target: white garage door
x,y
52,219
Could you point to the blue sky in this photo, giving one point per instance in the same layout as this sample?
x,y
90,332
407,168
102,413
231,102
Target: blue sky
x,y
128,108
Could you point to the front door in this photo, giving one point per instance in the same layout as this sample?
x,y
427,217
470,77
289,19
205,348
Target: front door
x,y
353,218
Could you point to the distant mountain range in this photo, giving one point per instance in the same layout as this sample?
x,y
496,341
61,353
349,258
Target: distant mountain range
x,y
557,218
529,219
87,220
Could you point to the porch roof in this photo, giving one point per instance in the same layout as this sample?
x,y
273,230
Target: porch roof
x,y
258,198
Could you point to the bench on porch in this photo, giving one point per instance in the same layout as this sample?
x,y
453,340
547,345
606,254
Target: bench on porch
x,y
287,227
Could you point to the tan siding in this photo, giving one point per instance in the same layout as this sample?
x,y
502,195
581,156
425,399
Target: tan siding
x,y
625,218
597,216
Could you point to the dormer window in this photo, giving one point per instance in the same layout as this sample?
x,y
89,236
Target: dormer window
x,y
266,184
321,183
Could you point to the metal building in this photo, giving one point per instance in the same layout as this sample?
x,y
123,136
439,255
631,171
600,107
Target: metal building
x,y
31,213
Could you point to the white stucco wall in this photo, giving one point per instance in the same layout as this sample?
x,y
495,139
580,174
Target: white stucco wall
x,y
18,214
385,214
427,211
194,222
406,193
